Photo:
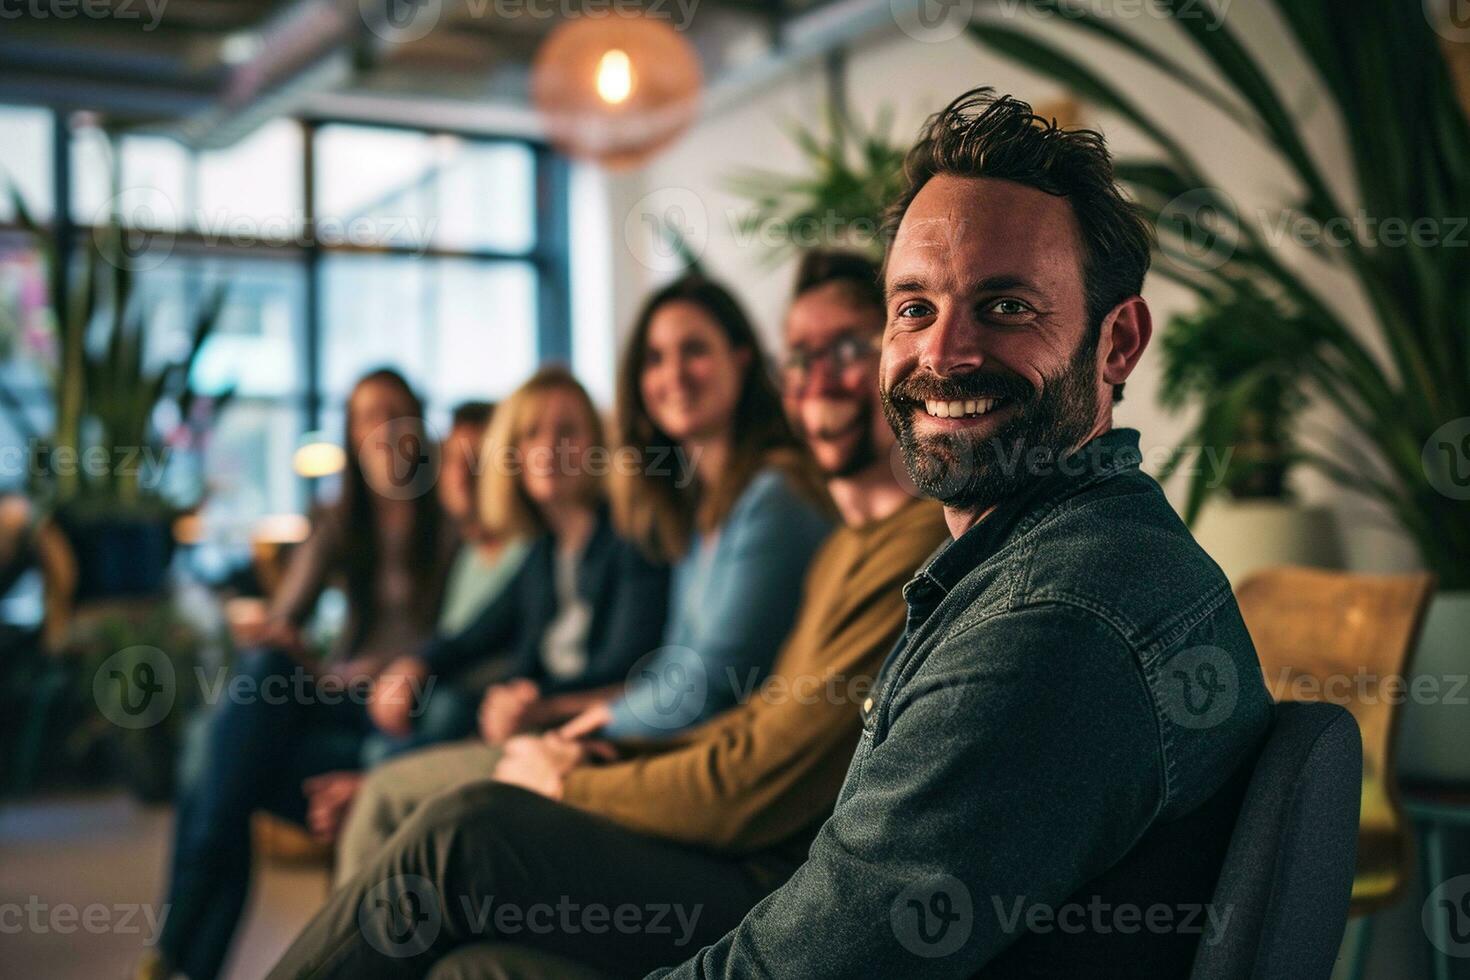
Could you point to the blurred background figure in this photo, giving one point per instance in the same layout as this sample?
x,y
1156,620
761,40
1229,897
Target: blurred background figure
x,y
715,482
296,716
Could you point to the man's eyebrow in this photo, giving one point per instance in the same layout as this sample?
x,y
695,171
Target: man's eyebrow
x,y
854,331
917,284
994,283
911,284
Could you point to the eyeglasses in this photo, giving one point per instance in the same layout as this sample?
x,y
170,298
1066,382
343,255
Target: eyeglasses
x,y
841,354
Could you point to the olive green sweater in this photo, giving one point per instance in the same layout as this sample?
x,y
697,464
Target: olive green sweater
x,y
764,775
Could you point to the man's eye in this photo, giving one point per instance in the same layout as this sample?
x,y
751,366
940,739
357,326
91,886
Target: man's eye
x,y
1009,307
913,309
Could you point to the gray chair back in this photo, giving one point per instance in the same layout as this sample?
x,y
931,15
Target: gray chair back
x,y
1288,872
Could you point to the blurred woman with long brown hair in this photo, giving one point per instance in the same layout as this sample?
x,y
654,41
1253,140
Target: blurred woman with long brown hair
x,y
725,490
287,716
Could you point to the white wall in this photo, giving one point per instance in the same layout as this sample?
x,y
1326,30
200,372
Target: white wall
x,y
914,78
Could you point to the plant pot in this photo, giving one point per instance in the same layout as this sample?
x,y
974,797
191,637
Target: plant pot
x,y
1249,534
119,556
1435,726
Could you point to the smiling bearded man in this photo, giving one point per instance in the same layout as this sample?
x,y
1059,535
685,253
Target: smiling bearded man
x,y
1061,737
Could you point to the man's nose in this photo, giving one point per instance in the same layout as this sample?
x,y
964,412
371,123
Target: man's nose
x,y
823,377
951,345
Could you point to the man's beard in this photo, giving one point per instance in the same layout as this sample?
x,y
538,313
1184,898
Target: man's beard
x,y
864,451
969,472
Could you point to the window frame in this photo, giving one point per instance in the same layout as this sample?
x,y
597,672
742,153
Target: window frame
x,y
548,254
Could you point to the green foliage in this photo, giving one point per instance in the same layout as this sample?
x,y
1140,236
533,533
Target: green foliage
x,y
854,172
131,635
1225,358
123,641
104,394
1405,371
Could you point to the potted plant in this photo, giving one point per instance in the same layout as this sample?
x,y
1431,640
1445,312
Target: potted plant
x,y
117,419
119,656
854,172
1399,378
1227,361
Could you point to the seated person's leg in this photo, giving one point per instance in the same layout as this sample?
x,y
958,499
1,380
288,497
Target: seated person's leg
x,y
493,862
509,961
246,737
390,793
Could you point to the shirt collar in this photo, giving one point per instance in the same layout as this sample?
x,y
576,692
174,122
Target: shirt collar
x,y
1113,452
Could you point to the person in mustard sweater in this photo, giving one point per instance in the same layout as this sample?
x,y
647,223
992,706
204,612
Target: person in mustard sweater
x,y
691,832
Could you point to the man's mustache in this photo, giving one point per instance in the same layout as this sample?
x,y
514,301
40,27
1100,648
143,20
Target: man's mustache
x,y
960,387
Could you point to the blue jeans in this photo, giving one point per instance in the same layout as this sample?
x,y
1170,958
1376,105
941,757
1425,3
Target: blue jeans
x,y
448,713
258,749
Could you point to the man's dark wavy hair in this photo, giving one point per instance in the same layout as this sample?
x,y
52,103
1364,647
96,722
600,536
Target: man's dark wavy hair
x,y
981,134
856,274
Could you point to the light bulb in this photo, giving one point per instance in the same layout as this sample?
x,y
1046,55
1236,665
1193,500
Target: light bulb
x,y
615,77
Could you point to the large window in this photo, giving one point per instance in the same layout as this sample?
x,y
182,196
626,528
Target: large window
x,y
342,247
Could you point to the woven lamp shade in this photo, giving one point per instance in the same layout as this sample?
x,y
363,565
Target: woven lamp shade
x,y
615,89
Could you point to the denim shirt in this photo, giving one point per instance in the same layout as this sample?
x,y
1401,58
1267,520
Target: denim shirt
x,y
1056,745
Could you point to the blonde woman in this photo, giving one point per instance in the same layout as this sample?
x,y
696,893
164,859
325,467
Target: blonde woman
x,y
585,605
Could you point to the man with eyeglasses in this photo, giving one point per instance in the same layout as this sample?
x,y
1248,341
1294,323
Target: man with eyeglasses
x,y
615,869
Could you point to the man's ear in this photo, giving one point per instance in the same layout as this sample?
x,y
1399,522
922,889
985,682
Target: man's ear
x,y
1126,332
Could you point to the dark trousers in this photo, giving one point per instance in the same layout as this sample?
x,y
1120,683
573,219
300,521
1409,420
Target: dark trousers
x,y
258,750
491,863
260,747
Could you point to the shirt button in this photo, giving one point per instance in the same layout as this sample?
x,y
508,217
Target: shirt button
x,y
868,706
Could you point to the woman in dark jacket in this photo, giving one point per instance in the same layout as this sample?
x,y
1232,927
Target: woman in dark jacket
x,y
586,604
584,608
